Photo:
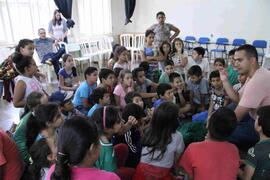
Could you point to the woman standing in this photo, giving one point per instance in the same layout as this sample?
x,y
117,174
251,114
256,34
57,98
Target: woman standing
x,y
58,27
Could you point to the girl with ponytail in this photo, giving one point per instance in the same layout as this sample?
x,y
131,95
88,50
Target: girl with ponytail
x,y
47,118
26,82
78,149
32,101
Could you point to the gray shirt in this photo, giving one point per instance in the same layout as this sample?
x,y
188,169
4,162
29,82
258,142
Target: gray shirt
x,y
197,89
162,33
142,88
175,147
43,46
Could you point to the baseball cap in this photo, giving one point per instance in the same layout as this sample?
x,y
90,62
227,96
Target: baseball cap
x,y
61,96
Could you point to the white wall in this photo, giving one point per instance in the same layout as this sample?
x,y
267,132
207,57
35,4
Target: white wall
x,y
247,19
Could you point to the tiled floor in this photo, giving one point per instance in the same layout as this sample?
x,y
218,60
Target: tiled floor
x,y
8,114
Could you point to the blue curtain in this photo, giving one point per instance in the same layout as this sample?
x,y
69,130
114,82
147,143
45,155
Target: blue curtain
x,y
65,7
129,8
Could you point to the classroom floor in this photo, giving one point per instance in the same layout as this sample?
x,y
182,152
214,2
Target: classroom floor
x,y
10,114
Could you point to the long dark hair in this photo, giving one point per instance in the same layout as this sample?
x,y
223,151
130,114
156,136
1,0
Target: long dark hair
x,y
32,100
21,62
173,45
112,55
54,20
159,134
39,153
22,43
112,117
161,48
74,140
44,113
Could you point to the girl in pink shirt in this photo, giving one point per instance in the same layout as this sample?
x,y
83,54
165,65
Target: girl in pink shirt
x,y
78,150
124,86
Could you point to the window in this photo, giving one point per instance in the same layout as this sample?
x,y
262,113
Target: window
x,y
94,17
22,18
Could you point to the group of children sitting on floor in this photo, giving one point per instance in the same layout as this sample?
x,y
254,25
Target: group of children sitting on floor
x,y
128,124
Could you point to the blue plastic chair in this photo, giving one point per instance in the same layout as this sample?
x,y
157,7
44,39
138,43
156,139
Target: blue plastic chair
x,y
260,45
221,44
204,41
189,43
238,42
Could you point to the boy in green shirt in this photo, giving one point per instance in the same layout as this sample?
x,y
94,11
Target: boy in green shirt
x,y
169,67
257,163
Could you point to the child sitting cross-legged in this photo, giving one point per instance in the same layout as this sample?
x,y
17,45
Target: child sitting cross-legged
x,y
107,79
63,99
218,96
161,144
85,89
257,164
132,137
122,57
214,158
165,93
109,124
101,98
124,86
143,85
180,93
42,158
198,59
198,87
134,97
168,67
78,149
68,79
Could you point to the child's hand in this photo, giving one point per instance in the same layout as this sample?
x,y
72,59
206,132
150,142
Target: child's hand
x,y
76,86
131,121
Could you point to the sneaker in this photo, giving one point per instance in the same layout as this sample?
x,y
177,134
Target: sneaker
x,y
49,62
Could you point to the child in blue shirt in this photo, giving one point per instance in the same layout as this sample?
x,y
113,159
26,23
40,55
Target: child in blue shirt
x,y
68,79
85,89
101,97
165,93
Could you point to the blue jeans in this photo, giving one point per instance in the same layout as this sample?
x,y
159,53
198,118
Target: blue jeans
x,y
1,88
54,59
244,136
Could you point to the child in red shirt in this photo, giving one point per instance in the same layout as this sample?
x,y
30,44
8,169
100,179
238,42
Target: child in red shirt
x,y
214,158
11,163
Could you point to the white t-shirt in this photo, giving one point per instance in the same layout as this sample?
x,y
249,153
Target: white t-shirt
x,y
204,65
176,146
124,66
32,84
176,58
